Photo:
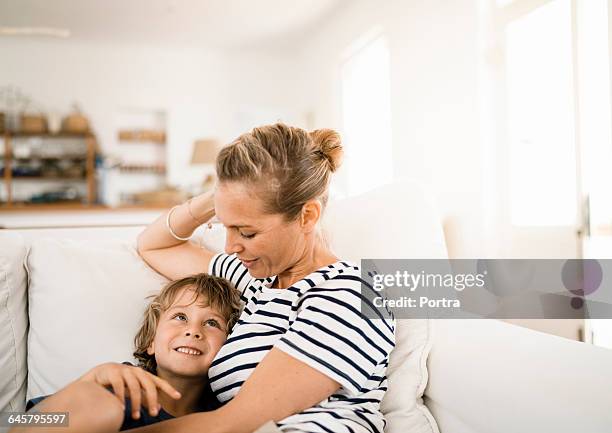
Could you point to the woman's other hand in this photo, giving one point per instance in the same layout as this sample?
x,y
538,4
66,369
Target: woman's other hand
x,y
137,382
171,257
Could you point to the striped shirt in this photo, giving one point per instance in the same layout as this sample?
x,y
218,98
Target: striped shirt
x,y
318,321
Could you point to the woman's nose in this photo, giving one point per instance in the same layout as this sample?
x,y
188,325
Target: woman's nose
x,y
231,246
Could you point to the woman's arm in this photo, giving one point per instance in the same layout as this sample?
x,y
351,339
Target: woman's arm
x,y
170,257
280,386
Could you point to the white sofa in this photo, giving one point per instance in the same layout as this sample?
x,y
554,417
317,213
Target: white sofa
x,y
71,298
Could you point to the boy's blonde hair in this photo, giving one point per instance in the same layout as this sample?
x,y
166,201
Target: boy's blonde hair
x,y
218,293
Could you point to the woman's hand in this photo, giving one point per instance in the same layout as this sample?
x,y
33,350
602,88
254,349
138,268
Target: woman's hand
x,y
169,256
133,379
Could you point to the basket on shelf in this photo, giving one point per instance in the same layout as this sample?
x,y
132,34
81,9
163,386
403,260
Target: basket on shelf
x,y
75,123
32,123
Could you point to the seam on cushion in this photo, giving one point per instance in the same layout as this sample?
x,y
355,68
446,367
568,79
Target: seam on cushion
x,y
425,378
428,416
25,263
423,358
6,310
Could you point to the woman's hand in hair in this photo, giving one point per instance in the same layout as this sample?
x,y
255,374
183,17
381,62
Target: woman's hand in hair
x,y
140,385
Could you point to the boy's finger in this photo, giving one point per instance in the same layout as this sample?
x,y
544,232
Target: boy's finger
x,y
166,387
134,388
150,393
118,389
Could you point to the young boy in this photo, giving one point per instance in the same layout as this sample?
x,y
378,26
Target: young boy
x,y
183,328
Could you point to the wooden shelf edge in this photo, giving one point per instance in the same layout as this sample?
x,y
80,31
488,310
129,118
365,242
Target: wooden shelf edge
x,y
49,135
60,207
50,178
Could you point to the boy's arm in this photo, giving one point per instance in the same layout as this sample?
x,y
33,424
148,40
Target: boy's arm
x,y
280,386
137,382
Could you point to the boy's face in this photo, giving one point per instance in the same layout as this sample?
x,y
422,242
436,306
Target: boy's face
x,y
188,337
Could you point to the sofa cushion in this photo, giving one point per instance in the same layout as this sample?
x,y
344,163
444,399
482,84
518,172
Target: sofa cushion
x,y
13,322
394,222
86,301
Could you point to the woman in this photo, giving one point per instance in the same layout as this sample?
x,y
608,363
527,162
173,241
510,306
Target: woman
x,y
304,353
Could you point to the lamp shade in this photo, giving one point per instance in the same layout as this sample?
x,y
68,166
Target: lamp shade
x,y
205,151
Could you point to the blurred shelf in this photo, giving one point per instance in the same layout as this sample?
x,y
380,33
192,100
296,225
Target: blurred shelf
x,y
12,171
49,135
72,206
142,136
48,178
142,168
51,158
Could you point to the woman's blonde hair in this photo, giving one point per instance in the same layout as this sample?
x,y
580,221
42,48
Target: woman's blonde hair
x,y
287,165
218,293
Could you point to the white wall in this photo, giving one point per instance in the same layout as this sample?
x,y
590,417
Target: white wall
x,y
433,47
204,92
434,98
437,76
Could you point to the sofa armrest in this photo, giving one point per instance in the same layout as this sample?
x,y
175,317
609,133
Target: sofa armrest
x,y
490,376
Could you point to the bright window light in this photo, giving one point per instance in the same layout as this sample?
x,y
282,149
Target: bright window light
x,y
594,104
542,154
366,111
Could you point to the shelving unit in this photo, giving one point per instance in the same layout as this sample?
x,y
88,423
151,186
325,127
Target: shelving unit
x,y
13,161
156,138
141,148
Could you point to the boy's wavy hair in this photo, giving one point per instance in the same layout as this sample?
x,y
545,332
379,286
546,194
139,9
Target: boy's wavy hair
x,y
219,294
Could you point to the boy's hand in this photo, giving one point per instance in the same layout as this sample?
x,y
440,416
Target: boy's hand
x,y
136,380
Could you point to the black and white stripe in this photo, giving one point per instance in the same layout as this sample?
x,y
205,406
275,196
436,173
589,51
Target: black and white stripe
x,y
319,321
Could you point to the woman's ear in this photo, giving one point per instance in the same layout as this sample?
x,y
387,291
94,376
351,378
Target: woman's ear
x,y
310,215
151,349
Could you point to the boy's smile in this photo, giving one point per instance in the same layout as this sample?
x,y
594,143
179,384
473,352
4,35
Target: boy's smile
x,y
188,350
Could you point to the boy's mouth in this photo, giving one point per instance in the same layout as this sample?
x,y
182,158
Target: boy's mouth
x,y
188,350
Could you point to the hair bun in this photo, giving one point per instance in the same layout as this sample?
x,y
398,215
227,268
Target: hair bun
x,y
328,142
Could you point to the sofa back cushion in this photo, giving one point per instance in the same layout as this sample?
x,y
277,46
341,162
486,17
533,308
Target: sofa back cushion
x,y
86,301
395,222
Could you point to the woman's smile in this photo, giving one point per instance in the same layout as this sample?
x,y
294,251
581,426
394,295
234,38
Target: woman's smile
x,y
248,263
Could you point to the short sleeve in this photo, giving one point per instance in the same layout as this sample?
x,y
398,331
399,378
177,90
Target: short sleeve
x,y
229,267
332,335
33,402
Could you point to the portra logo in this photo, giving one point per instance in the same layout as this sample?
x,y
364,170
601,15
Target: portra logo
x,y
581,278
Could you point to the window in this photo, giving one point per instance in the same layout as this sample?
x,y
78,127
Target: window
x,y
366,115
540,117
557,110
594,110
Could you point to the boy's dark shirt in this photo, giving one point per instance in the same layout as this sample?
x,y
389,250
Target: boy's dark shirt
x,y
209,403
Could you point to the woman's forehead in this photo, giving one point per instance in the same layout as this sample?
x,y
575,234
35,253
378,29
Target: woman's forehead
x,y
236,205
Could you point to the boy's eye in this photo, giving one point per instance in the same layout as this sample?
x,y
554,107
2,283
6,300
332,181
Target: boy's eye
x,y
212,322
247,235
180,316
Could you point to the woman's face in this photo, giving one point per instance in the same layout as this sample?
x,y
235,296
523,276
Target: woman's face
x,y
265,243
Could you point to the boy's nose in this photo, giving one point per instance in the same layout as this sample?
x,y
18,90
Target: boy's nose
x,y
195,334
